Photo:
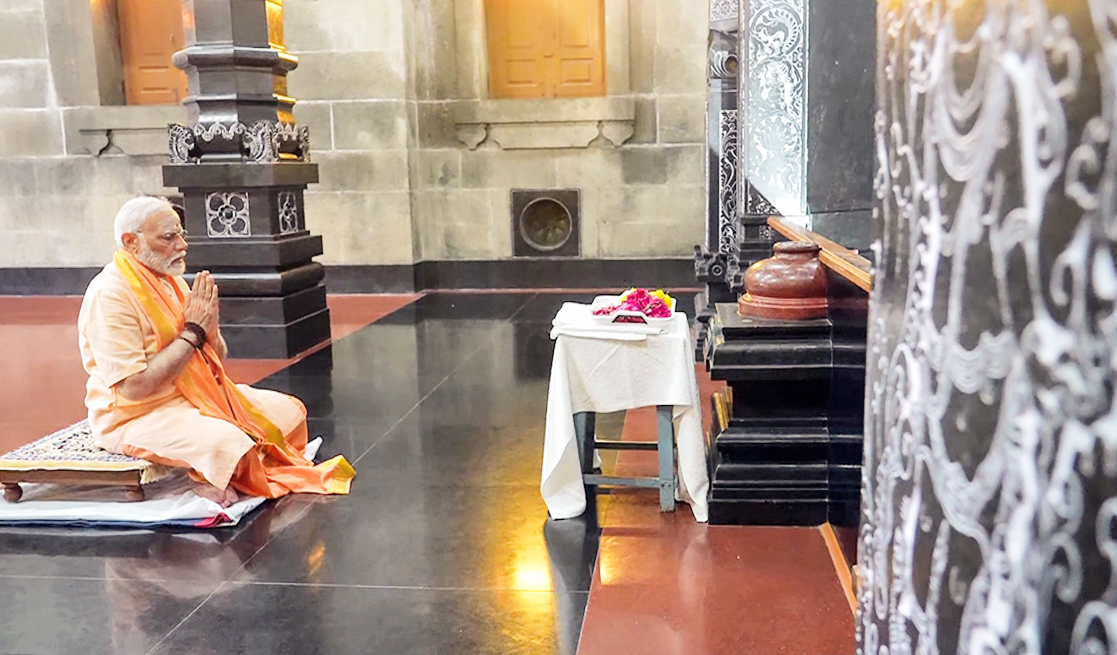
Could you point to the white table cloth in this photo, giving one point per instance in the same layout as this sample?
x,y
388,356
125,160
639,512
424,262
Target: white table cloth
x,y
596,373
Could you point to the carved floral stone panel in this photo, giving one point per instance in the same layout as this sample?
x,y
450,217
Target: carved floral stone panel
x,y
727,180
723,10
262,142
989,497
775,122
227,215
288,212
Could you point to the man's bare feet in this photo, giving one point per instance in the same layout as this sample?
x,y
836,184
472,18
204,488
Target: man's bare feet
x,y
223,497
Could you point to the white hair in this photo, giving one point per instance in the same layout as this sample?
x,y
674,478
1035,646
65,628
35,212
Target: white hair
x,y
132,214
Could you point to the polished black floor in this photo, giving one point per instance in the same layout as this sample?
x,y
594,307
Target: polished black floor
x,y
443,546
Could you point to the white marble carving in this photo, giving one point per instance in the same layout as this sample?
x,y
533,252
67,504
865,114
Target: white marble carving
x,y
227,215
723,64
775,145
288,212
756,204
723,10
727,180
180,142
989,495
262,142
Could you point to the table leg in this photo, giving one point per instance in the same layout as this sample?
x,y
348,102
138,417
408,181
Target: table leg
x,y
665,434
585,429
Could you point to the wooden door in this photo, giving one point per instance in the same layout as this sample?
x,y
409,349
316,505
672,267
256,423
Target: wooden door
x,y
150,33
545,48
579,61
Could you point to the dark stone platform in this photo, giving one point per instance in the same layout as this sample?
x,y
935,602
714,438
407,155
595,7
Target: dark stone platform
x,y
791,454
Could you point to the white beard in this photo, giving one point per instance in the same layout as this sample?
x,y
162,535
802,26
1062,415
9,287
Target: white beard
x,y
173,265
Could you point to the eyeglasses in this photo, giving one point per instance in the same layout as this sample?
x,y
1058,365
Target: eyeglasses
x,y
169,237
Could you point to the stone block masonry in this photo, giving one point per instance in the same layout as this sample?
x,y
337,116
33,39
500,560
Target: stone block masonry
x,y
378,83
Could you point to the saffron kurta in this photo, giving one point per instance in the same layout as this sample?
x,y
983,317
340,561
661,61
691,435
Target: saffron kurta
x,y
117,337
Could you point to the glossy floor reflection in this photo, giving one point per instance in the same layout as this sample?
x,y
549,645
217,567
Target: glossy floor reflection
x,y
665,585
42,384
443,546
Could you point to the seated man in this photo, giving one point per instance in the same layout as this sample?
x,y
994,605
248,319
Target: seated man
x,y
157,387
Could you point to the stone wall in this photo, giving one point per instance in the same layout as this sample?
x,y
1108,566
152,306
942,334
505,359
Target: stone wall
x,y
57,200
641,187
388,93
351,85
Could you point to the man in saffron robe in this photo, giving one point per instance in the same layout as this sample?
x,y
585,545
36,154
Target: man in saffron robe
x,y
157,387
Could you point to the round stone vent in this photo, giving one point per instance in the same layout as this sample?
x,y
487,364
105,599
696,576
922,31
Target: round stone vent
x,y
545,222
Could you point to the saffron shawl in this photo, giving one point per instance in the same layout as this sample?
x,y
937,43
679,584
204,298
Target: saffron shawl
x,y
273,468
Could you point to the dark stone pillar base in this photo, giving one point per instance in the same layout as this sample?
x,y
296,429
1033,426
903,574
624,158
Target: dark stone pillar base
x,y
275,327
272,310
277,340
802,507
779,461
246,226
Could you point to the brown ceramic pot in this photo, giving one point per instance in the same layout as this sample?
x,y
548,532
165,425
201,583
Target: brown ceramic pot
x,y
789,285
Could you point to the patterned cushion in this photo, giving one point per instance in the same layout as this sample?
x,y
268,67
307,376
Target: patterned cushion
x,y
72,449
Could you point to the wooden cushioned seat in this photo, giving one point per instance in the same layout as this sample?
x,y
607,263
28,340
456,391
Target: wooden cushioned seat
x,y
69,456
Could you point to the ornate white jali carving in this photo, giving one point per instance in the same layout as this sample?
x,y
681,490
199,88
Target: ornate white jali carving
x,y
775,145
989,495
727,180
723,10
288,212
227,215
261,142
723,64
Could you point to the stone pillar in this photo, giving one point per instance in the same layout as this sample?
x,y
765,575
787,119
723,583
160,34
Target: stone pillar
x,y
242,167
722,140
807,96
721,127
771,157
790,452
802,129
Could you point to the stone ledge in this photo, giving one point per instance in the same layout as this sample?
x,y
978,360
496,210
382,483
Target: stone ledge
x,y
517,273
129,130
544,122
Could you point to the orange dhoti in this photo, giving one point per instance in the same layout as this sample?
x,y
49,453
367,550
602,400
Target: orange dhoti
x,y
226,433
178,434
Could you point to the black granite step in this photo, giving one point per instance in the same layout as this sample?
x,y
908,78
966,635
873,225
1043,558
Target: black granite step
x,y
791,454
776,445
776,452
768,512
752,433
743,475
801,493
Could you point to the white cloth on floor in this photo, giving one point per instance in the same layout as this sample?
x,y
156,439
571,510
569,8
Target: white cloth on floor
x,y
610,375
577,320
170,499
